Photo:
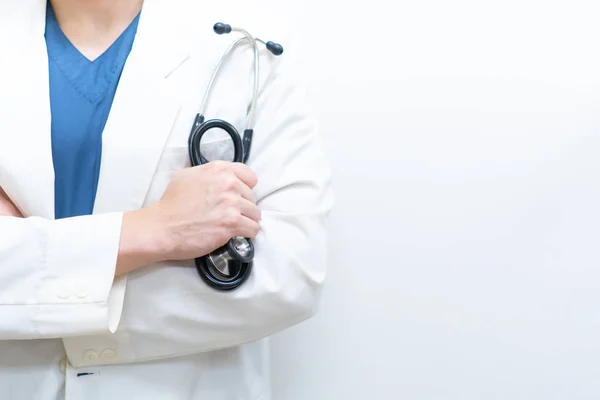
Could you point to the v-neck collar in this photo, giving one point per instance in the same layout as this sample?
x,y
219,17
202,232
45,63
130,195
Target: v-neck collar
x,y
75,66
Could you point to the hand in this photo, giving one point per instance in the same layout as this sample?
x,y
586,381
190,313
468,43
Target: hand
x,y
7,207
205,206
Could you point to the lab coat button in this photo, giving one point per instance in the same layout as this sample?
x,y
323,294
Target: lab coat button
x,y
63,293
109,354
81,292
90,355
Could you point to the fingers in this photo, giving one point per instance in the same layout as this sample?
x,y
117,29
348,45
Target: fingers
x,y
249,210
235,177
232,184
246,192
246,228
241,219
245,174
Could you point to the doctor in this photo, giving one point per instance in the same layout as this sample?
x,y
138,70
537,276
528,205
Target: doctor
x,y
102,216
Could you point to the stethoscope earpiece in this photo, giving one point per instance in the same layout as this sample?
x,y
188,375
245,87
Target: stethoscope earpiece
x,y
221,28
275,48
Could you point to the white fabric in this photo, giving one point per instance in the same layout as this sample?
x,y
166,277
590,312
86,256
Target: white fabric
x,y
158,333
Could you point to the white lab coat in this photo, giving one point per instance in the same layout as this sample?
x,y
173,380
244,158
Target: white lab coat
x,y
158,333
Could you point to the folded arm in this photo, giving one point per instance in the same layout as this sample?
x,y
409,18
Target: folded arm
x,y
57,278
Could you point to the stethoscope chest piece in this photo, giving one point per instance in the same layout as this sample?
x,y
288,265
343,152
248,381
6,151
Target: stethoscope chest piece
x,y
229,266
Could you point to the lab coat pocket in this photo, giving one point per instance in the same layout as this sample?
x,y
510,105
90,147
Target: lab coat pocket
x,y
217,145
212,148
172,159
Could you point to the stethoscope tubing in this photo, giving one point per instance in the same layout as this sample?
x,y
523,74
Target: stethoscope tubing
x,y
219,68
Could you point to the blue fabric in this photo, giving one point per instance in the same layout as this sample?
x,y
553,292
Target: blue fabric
x,y
81,95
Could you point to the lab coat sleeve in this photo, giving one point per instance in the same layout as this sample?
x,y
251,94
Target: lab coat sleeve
x,y
169,311
56,277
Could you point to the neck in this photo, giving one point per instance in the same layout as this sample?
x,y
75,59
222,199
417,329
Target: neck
x,y
98,14
92,25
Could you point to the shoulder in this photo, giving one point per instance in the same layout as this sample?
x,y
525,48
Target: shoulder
x,y
19,24
10,11
19,16
20,21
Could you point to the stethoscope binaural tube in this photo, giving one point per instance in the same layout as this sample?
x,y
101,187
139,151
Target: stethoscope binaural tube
x,y
229,266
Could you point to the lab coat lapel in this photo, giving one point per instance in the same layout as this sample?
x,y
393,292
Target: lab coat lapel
x,y
26,168
143,111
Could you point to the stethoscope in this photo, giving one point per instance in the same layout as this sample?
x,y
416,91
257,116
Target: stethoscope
x,y
229,266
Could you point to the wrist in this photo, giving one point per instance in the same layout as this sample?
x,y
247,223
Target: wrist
x,y
143,238
154,223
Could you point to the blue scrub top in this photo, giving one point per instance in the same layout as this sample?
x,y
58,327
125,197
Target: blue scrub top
x,y
81,95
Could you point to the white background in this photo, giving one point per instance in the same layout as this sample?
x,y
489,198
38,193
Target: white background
x,y
465,255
